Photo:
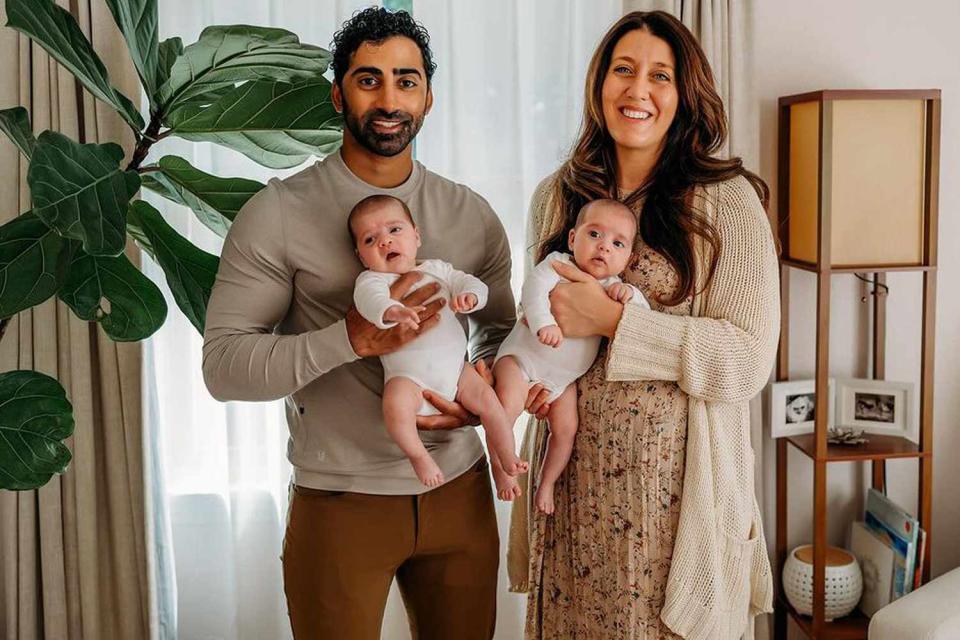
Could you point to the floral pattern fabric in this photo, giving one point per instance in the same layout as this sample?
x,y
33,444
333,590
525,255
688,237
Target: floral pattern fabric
x,y
603,557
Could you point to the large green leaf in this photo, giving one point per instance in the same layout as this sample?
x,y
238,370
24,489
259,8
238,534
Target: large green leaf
x,y
35,417
215,200
15,123
32,263
137,20
142,240
276,124
190,271
113,292
81,191
168,52
227,55
54,29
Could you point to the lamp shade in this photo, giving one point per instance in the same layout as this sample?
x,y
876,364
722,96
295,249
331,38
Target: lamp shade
x,y
855,177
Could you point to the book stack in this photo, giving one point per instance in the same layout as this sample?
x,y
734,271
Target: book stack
x,y
890,546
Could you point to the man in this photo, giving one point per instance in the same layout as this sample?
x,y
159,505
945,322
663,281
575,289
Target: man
x,y
280,324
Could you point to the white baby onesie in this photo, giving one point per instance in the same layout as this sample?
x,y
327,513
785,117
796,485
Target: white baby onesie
x,y
434,360
554,368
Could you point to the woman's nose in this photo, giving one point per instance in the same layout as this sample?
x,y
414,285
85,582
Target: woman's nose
x,y
639,89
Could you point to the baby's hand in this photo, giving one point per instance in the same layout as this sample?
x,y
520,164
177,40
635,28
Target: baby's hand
x,y
551,336
405,316
464,303
620,292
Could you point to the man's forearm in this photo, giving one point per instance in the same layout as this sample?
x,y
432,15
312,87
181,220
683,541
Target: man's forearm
x,y
259,367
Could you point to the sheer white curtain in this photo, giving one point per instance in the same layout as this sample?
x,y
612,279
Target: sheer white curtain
x,y
508,97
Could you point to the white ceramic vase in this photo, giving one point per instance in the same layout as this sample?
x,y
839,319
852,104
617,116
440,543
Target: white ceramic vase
x,y
844,583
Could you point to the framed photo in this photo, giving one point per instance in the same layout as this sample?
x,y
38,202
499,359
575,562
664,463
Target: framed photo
x,y
877,406
792,405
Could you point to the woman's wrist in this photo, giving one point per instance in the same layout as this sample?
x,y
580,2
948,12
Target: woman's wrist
x,y
610,318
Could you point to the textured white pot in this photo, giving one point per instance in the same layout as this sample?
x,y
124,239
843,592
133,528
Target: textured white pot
x,y
844,583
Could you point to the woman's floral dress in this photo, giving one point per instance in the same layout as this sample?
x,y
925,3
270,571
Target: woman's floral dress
x,y
606,550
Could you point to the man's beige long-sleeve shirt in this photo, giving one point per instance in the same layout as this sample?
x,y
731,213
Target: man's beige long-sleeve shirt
x,y
275,328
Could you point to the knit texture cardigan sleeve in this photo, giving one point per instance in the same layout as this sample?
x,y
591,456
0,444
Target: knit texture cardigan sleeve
x,y
723,355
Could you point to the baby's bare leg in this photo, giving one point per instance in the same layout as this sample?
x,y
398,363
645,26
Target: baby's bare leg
x,y
512,386
401,401
479,398
563,421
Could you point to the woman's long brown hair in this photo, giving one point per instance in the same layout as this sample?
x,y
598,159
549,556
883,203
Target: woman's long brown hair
x,y
668,221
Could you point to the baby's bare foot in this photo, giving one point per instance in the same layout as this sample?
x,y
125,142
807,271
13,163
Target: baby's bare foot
x,y
507,486
513,465
544,499
509,493
427,470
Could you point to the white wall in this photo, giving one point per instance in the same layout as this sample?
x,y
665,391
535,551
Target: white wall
x,y
871,44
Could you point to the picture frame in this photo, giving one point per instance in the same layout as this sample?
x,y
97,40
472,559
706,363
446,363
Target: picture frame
x,y
882,407
791,405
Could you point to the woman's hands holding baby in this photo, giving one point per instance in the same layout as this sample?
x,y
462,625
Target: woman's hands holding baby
x,y
582,307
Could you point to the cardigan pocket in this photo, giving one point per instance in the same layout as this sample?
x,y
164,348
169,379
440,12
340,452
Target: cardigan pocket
x,y
737,557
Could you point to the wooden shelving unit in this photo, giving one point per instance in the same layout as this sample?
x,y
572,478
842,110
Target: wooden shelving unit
x,y
880,448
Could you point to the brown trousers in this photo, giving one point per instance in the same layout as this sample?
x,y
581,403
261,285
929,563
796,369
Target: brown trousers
x,y
342,550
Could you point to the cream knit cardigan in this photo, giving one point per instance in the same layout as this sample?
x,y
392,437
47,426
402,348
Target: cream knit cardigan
x,y
721,356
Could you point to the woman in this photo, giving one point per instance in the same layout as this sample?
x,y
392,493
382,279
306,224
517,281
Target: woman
x,y
656,532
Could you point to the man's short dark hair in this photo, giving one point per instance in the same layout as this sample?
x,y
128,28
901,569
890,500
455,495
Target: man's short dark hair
x,y
371,201
376,24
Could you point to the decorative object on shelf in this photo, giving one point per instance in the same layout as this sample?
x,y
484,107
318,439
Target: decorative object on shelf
x,y
844,582
856,165
791,407
877,406
845,436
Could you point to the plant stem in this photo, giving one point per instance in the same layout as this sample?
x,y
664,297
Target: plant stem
x,y
143,146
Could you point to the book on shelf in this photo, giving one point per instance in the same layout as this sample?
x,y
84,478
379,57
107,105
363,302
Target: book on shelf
x,y
900,530
921,553
876,558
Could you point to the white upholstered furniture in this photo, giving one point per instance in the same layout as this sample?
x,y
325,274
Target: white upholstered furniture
x,y
929,613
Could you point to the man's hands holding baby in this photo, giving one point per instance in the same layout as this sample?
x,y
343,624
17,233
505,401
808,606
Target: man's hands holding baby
x,y
367,340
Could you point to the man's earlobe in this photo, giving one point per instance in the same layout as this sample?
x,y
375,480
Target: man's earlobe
x,y
336,97
429,100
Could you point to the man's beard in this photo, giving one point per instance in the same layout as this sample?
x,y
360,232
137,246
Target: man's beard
x,y
382,144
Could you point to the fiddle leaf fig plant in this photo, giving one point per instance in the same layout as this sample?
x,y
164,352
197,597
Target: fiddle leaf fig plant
x,y
256,90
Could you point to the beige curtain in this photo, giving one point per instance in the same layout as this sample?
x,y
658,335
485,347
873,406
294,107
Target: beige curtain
x,y
724,29
72,554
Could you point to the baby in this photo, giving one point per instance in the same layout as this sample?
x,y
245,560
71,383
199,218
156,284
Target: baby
x,y
386,241
602,243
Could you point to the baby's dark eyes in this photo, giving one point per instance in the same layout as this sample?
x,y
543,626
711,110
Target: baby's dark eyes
x,y
594,234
